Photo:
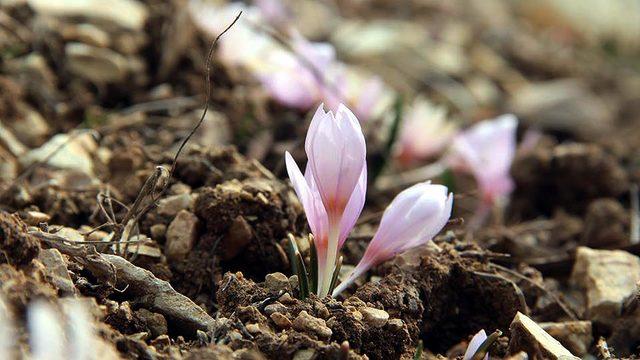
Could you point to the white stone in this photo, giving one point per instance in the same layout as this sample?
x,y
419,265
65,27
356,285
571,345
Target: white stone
x,y
607,277
73,154
96,64
129,14
526,334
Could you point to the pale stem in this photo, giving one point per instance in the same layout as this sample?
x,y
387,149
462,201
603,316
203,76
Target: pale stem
x,y
635,215
482,213
325,273
353,275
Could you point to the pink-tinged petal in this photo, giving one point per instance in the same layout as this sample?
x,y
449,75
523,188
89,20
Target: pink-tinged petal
x,y
366,101
319,55
313,208
292,89
319,117
474,344
487,151
424,132
432,230
354,207
336,151
414,217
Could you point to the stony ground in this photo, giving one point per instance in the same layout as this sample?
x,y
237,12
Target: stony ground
x,y
187,260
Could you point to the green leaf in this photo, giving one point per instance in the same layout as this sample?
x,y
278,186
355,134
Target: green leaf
x,y
336,273
313,272
484,347
418,354
296,268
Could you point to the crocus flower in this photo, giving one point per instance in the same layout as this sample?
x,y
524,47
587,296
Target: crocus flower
x,y
413,218
81,331
486,150
46,337
7,333
367,95
474,344
424,132
51,338
332,190
295,79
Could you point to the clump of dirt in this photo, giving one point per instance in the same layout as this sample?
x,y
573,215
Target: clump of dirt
x,y
591,171
212,166
243,212
441,296
436,297
249,218
282,324
606,224
17,246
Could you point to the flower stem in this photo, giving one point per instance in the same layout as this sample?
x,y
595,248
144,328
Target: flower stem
x,y
330,263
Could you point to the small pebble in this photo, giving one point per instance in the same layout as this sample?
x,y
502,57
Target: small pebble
x,y
307,323
374,317
280,320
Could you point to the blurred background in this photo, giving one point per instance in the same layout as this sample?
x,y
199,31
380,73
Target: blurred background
x,y
568,67
95,94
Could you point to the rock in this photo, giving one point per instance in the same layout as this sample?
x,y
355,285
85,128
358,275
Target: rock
x,y
280,320
607,277
96,64
71,152
33,65
309,324
275,307
305,354
156,323
253,329
181,235
57,271
129,14
396,323
158,231
161,341
30,128
374,317
575,335
592,172
70,234
239,236
606,224
314,19
276,282
528,336
180,188
33,218
171,205
149,249
564,105
286,298
97,235
358,39
10,142
215,130
87,34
